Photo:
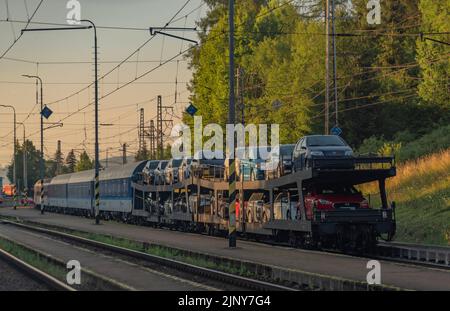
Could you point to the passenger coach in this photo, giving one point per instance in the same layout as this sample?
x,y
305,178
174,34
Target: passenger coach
x,y
74,193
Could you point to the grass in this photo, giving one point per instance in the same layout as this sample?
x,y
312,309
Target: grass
x,y
33,259
409,146
421,190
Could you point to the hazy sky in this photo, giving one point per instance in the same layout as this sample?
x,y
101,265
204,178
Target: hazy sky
x,y
40,50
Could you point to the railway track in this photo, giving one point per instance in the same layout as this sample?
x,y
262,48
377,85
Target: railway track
x,y
215,276
426,255
33,273
432,256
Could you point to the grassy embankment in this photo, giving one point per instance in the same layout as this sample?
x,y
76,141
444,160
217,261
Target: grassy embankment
x,y
421,190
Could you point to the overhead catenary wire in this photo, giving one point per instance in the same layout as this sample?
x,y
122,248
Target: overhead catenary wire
x,y
123,61
136,75
20,36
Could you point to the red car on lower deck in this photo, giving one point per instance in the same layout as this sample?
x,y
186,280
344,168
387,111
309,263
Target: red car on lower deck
x,y
333,197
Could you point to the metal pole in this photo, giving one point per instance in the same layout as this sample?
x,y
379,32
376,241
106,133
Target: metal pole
x,y
231,120
15,148
41,160
240,90
25,173
327,68
14,145
97,156
335,63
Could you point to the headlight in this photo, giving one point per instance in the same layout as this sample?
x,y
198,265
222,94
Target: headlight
x,y
317,153
325,202
349,153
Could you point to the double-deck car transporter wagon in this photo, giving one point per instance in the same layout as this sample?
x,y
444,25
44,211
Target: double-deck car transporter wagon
x,y
199,203
281,208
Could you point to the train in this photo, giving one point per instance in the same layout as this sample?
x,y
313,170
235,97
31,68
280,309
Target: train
x,y
310,208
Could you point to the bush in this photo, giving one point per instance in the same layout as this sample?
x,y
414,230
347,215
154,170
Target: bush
x,y
435,141
371,145
407,146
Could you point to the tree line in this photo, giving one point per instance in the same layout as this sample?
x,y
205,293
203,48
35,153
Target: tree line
x,y
52,167
391,81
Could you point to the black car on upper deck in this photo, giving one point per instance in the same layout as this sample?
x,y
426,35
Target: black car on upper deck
x,y
322,152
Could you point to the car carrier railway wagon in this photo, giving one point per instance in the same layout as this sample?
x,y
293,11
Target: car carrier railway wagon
x,y
198,203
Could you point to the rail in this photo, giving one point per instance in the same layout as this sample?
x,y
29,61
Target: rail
x,y
228,278
35,273
436,256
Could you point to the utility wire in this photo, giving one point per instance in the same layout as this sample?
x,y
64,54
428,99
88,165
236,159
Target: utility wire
x,y
20,36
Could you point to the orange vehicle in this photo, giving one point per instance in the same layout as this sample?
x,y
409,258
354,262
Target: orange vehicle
x,y
8,190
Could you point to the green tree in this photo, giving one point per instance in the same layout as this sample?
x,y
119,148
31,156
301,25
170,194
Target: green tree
x,y
143,154
84,163
432,56
56,166
32,159
281,47
71,162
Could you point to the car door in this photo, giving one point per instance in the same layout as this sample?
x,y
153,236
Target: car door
x,y
303,150
296,156
285,207
309,203
277,209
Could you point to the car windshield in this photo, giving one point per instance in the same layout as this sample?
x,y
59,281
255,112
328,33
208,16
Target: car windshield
x,y
335,189
163,165
176,163
315,141
153,165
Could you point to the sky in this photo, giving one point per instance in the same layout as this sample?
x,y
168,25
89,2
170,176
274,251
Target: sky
x,y
64,61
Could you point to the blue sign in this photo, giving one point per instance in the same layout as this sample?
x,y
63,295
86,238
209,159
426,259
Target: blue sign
x,y
191,110
336,131
46,112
